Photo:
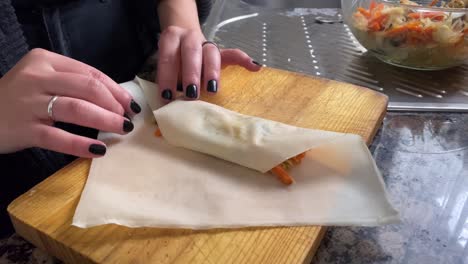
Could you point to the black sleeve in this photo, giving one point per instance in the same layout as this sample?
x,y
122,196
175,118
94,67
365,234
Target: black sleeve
x,y
204,8
12,42
147,21
20,172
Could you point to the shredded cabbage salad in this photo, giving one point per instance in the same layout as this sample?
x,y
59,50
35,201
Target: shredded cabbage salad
x,y
414,36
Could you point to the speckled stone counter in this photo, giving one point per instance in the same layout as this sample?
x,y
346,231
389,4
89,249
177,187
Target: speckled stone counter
x,y
424,161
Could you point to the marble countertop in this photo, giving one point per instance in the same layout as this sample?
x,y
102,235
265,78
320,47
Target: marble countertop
x,y
424,161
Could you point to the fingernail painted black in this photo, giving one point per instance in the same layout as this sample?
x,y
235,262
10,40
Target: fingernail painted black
x,y
180,87
127,116
127,126
135,107
256,63
97,149
167,94
191,91
212,86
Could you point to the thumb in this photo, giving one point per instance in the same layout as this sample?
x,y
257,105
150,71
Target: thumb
x,y
238,57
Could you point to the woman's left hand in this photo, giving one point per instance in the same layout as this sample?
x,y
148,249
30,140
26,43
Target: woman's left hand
x,y
186,58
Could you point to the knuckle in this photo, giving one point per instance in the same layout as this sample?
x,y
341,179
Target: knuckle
x,y
31,74
38,52
115,122
77,108
93,87
110,123
93,73
166,59
126,97
171,30
211,74
164,81
75,145
241,54
195,36
41,137
119,110
191,47
210,48
192,77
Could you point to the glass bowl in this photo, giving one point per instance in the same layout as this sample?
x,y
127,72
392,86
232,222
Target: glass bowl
x,y
410,36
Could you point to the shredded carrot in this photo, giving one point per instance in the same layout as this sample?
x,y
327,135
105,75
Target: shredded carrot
x,y
422,36
301,156
374,15
380,20
379,7
282,175
412,26
434,2
296,160
397,31
158,133
374,27
364,12
436,16
465,31
377,19
373,5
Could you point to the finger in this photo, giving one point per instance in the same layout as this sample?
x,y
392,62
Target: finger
x,y
83,87
83,113
64,64
211,67
191,61
55,139
238,57
168,63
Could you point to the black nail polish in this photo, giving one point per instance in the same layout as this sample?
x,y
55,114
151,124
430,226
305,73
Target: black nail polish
x,y
191,91
97,149
135,107
127,126
127,116
212,86
166,94
256,63
180,87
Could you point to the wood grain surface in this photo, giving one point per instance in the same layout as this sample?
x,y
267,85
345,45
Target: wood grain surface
x,y
43,215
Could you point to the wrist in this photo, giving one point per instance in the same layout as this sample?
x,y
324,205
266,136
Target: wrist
x,y
179,13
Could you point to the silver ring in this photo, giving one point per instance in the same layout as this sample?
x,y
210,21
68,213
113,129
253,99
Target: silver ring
x,y
212,43
50,107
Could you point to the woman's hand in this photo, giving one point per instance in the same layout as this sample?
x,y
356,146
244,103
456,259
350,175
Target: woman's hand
x,y
186,62
185,58
87,97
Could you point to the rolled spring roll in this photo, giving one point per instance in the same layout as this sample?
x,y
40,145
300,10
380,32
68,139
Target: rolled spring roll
x,y
256,143
280,171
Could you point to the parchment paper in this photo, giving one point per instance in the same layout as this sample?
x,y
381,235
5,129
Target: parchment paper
x,y
151,182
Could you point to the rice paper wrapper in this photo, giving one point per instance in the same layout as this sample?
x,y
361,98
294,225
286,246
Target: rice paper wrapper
x,y
210,170
252,142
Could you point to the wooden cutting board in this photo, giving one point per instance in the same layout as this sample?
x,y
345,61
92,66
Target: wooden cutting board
x,y
43,215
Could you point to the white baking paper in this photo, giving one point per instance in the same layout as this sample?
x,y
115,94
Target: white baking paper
x,y
145,181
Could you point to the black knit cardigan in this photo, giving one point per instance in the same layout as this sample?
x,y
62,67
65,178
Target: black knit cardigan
x,y
21,170
13,45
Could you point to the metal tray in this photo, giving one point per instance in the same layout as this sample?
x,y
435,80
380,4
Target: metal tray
x,y
315,41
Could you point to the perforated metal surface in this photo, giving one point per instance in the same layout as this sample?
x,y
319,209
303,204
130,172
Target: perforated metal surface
x,y
298,40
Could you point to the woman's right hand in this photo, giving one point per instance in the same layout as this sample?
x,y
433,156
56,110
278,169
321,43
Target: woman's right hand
x,y
87,97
